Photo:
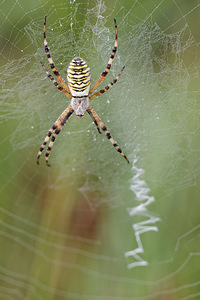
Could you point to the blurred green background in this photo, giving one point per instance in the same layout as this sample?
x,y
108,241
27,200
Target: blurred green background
x,y
66,231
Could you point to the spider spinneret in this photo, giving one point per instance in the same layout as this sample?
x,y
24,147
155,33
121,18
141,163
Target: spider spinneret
x,y
79,80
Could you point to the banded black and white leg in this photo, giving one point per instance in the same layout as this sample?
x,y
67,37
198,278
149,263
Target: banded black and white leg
x,y
69,112
60,88
94,120
107,133
108,86
52,65
66,114
104,74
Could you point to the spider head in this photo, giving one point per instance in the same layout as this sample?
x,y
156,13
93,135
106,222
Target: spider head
x,y
80,105
78,77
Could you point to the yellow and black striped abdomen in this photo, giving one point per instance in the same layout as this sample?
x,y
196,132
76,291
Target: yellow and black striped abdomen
x,y
78,77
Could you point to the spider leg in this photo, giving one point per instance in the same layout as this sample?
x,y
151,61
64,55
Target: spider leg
x,y
107,133
50,132
94,120
57,131
103,74
108,86
55,83
57,74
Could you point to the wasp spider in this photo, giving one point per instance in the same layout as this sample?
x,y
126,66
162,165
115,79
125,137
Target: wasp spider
x,y
78,90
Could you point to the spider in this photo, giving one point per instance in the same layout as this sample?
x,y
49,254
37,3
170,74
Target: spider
x,y
78,90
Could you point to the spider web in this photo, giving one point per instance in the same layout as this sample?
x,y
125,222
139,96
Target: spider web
x,y
91,226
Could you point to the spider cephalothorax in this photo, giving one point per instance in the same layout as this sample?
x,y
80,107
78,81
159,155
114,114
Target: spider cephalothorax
x,y
79,80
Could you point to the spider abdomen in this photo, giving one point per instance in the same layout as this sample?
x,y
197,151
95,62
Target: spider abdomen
x,y
79,77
